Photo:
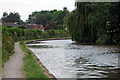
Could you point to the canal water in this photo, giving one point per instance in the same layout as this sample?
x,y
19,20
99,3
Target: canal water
x,y
66,59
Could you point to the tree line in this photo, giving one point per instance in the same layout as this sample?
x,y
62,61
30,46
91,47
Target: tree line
x,y
95,22
52,19
54,29
11,35
90,22
11,17
19,34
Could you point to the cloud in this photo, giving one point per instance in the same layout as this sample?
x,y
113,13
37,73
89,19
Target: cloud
x,y
26,7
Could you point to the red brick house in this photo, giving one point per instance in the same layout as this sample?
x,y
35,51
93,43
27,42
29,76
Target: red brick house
x,y
42,28
15,24
36,27
27,26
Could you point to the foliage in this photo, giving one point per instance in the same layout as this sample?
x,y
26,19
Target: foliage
x,y
0,48
66,20
21,26
18,34
7,48
64,8
53,19
31,67
94,22
40,19
58,16
50,25
11,17
11,35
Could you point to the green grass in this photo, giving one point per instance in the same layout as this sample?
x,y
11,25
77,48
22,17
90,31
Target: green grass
x,y
7,48
31,67
0,48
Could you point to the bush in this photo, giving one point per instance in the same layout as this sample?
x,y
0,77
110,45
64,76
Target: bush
x,y
51,33
103,39
18,34
7,47
10,34
45,35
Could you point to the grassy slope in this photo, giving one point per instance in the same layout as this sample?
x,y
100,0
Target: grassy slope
x,y
0,48
7,48
31,67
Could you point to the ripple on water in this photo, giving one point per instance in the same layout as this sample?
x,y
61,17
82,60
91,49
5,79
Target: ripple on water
x,y
64,59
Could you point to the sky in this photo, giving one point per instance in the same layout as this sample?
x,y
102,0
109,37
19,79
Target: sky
x,y
97,0
26,7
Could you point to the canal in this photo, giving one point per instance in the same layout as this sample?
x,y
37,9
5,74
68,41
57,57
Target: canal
x,y
66,59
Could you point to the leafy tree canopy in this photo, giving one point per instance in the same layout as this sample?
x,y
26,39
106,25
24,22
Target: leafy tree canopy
x,y
11,17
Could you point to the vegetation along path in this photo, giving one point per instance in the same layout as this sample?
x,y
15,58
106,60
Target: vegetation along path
x,y
14,67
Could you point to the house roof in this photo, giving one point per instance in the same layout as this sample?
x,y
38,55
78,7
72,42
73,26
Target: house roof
x,y
41,27
32,26
11,24
27,26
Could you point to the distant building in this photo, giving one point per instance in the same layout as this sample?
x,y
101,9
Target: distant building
x,y
36,27
42,28
15,24
27,26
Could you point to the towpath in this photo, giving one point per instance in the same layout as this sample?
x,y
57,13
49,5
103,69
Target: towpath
x,y
14,67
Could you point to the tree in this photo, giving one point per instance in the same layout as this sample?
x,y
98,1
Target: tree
x,y
4,18
5,14
50,25
58,16
66,20
64,8
11,17
37,18
47,17
94,22
40,19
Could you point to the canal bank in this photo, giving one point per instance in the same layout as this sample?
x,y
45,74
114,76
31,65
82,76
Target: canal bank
x,y
13,68
41,69
32,66
32,41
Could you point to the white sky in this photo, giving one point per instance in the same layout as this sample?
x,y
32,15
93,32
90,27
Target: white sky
x,y
26,7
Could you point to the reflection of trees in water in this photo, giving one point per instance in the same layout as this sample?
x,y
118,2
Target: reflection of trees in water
x,y
42,46
85,68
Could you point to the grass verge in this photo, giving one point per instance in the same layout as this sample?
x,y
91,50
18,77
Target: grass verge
x,y
31,67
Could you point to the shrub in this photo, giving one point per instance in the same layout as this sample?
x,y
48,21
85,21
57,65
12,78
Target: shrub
x,y
7,47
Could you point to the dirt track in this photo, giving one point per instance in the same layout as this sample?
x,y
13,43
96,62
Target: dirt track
x,y
14,67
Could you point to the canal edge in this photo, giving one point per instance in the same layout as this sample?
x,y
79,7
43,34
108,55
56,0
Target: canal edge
x,y
46,39
41,65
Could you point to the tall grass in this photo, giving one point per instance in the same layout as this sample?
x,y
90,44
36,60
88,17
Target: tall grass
x,y
7,48
0,48
31,67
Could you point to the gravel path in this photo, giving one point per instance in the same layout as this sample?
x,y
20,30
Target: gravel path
x,y
14,67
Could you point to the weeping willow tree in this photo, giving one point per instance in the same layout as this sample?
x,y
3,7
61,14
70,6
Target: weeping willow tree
x,y
81,27
93,22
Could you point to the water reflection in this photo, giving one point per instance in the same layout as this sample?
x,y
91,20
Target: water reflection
x,y
64,59
34,42
42,46
93,71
